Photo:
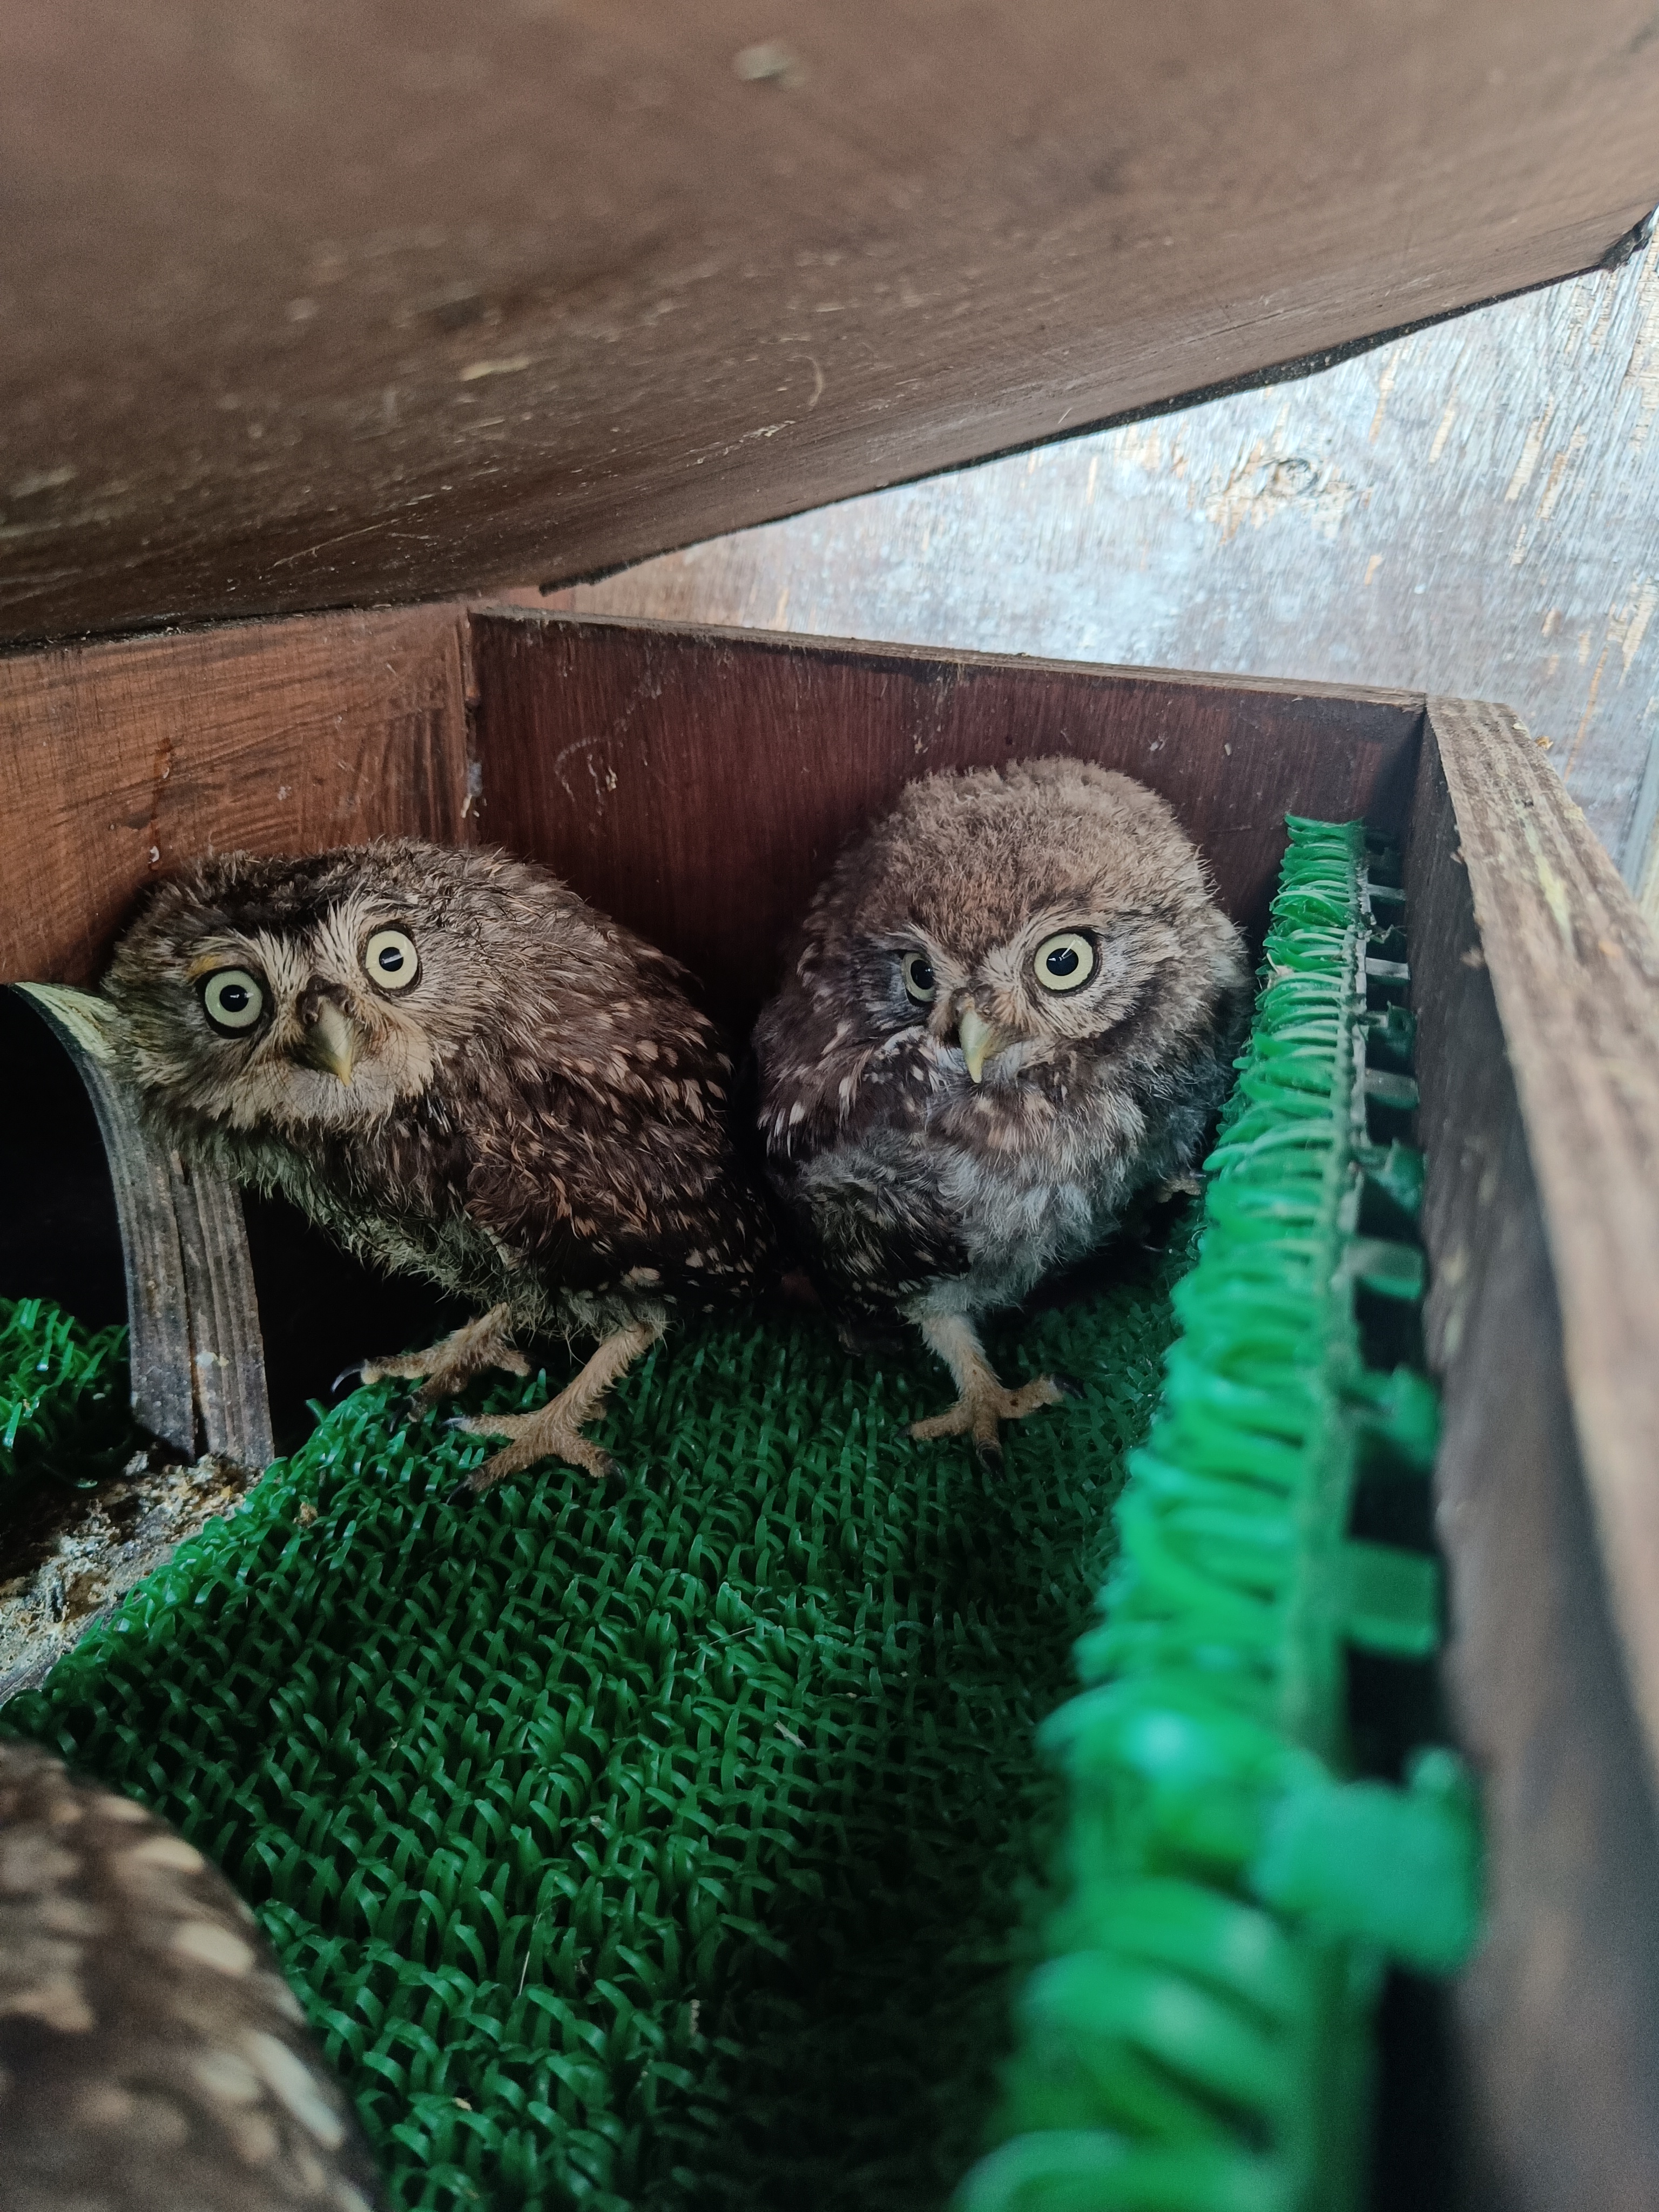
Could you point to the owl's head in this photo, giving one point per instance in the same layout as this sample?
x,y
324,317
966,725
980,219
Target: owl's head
x,y
317,994
996,924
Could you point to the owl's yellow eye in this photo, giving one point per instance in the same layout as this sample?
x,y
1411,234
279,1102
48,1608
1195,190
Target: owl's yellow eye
x,y
918,973
1064,963
390,959
233,1000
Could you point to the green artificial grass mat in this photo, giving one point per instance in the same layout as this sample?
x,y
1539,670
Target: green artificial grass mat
x,y
63,1397
658,1844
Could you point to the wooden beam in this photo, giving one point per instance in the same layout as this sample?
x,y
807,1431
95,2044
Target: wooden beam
x,y
118,762
325,303
698,783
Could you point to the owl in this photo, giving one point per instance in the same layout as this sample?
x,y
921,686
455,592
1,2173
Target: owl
x,y
460,1070
151,2055
1012,1007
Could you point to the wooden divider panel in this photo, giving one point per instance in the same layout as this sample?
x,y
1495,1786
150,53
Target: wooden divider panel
x,y
698,784
118,762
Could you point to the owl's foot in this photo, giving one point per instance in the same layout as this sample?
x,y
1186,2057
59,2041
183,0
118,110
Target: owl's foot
x,y
1181,1186
983,1402
983,1407
448,1367
555,1431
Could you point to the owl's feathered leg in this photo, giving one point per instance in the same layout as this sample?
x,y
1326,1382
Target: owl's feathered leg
x,y
555,1431
982,1404
450,1366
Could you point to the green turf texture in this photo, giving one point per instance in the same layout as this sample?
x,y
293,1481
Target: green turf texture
x,y
652,1848
1242,1859
64,1410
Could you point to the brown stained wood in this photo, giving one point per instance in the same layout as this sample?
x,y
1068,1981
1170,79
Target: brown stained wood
x,y
1575,977
118,762
698,783
335,301
1559,2013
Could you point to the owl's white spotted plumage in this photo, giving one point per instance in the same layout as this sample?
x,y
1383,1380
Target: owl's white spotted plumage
x,y
1012,1006
151,2056
461,1070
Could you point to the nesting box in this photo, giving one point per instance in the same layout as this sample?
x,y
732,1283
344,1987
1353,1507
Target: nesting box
x,y
344,314
696,783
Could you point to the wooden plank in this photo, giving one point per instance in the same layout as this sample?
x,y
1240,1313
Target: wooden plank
x,y
1558,2016
326,303
1575,975
698,783
120,761
1469,512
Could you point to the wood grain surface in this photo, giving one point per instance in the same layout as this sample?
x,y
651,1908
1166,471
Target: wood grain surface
x,y
1473,511
1557,2015
1575,977
698,783
340,299
120,761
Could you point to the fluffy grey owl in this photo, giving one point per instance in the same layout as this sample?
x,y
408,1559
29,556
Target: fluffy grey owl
x,y
461,1070
1011,1007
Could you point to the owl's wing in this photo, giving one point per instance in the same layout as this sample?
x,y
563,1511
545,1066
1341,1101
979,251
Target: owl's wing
x,y
591,1189
878,1233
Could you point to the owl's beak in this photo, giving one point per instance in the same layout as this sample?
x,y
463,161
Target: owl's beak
x,y
330,1042
980,1039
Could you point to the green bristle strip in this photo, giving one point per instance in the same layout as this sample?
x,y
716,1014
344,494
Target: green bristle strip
x,y
1199,2038
63,1396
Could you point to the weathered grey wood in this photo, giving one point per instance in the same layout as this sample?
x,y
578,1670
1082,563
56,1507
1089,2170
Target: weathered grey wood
x,y
194,1348
1472,510
227,1352
158,1306
1557,2015
1575,974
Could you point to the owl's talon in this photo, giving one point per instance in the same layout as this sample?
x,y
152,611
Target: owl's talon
x,y
444,1370
983,1403
1069,1389
344,1375
532,1437
555,1431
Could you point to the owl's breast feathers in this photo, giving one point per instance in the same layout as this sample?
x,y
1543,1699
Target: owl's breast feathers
x,y
529,1178
917,1180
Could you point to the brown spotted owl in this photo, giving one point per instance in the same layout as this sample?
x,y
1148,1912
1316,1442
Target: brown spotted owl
x,y
151,2055
461,1070
1011,1007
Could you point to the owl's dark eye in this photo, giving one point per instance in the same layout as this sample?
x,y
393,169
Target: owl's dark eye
x,y
390,959
918,973
1064,963
233,1000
